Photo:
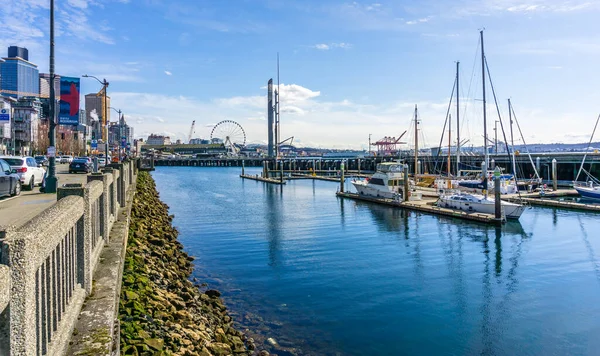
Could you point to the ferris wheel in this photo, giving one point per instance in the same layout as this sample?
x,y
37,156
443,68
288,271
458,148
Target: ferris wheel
x,y
231,133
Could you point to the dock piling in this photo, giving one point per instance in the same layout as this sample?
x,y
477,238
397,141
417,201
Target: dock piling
x,y
342,179
406,187
554,175
497,200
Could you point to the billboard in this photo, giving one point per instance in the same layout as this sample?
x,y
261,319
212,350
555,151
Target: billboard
x,y
69,101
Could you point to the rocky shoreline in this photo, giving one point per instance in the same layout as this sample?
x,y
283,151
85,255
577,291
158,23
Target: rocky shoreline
x,y
161,311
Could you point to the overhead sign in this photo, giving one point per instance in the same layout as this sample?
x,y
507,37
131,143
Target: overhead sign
x,y
94,144
5,114
69,101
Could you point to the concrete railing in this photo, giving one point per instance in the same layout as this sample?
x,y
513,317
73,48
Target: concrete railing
x,y
47,265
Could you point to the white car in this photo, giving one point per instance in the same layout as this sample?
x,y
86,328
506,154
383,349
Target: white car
x,y
30,173
66,159
101,162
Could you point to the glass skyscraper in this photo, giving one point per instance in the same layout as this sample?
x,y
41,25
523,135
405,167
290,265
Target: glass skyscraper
x,y
18,76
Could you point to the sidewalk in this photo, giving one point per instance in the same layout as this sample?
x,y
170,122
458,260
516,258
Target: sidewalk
x,y
16,211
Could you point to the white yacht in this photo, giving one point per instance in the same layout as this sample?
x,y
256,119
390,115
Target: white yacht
x,y
479,203
387,182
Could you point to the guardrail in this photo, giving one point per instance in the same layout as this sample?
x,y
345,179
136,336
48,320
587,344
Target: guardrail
x,y
47,265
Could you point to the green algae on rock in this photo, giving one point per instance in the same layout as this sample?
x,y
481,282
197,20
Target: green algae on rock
x,y
161,311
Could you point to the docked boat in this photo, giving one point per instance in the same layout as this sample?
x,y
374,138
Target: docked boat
x,y
589,191
591,188
479,203
387,182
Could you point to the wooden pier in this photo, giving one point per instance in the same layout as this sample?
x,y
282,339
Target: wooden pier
x,y
262,179
426,206
308,176
556,203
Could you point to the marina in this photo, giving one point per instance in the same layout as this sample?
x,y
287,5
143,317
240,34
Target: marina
x,y
298,260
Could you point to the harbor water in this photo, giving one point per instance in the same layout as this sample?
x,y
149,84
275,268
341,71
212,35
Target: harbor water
x,y
320,275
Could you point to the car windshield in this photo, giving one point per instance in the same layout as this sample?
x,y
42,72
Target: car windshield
x,y
14,161
40,157
80,160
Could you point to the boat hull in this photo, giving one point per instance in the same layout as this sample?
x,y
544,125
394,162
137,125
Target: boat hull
x,y
590,193
369,190
511,211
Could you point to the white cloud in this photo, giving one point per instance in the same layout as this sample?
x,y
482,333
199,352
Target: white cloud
x,y
168,73
325,46
421,20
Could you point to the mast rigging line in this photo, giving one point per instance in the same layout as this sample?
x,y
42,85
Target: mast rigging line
x,y
499,116
445,124
588,148
524,143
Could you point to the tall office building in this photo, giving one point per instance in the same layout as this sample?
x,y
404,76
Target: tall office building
x,y
19,76
94,103
45,85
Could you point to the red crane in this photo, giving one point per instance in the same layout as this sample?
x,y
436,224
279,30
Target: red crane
x,y
388,144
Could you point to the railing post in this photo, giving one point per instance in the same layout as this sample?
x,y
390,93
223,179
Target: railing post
x,y
104,204
84,240
23,337
112,194
121,184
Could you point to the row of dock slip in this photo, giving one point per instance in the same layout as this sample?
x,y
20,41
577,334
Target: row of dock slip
x,y
262,179
555,203
426,206
545,199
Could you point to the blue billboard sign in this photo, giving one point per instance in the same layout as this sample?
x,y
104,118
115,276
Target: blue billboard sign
x,y
69,101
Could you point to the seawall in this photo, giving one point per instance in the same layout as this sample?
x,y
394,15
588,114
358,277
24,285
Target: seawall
x,y
161,310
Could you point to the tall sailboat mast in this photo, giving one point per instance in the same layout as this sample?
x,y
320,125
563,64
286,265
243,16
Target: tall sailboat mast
x,y
416,142
449,143
487,158
457,121
512,141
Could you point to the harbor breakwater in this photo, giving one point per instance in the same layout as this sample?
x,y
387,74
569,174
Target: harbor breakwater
x,y
161,310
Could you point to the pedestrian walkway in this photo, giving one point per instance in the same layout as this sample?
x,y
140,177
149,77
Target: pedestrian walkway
x,y
16,211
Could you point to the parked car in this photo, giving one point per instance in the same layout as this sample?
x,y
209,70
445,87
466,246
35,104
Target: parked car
x,y
80,165
101,162
41,160
57,159
66,159
10,182
30,173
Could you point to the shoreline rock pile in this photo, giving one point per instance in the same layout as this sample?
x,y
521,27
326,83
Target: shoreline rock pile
x,y
161,311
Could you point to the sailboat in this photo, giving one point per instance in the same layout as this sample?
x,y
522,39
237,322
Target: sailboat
x,y
591,188
476,202
508,184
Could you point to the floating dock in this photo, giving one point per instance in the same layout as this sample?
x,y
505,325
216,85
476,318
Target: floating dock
x,y
308,176
426,206
555,203
262,179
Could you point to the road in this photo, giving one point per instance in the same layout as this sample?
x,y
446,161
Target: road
x,y
16,211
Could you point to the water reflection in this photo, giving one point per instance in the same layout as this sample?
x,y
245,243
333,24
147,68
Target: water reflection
x,y
590,250
387,219
273,221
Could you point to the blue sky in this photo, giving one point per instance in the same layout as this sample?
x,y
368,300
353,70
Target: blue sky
x,y
347,68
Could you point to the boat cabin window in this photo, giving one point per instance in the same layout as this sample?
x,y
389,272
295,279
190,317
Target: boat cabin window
x,y
376,181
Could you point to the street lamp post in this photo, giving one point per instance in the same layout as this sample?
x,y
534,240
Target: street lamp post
x,y
120,131
105,111
51,182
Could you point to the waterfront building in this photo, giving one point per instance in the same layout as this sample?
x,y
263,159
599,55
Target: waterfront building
x,y
19,77
94,112
199,141
25,123
158,140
